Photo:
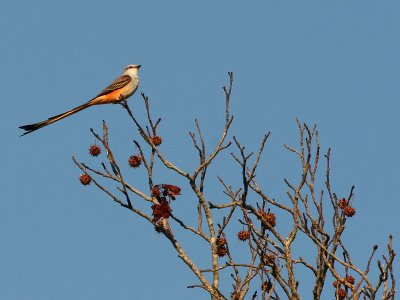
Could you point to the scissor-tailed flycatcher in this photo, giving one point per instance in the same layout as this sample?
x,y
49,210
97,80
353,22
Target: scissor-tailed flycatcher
x,y
121,89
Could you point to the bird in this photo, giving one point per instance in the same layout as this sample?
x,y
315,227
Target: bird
x,y
119,90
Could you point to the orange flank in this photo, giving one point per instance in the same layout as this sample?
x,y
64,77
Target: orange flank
x,y
113,97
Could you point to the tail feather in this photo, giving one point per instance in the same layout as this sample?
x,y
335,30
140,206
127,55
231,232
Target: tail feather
x,y
32,127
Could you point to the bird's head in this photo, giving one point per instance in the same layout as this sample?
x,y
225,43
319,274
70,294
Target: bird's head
x,y
132,70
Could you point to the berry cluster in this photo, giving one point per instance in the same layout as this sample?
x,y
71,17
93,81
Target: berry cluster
x,y
348,210
222,247
340,292
164,193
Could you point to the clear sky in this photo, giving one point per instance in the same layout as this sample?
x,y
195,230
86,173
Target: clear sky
x,y
331,63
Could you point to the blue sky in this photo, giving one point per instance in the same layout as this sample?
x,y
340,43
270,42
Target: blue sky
x,y
331,63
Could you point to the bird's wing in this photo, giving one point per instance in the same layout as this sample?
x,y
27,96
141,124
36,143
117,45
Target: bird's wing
x,y
115,85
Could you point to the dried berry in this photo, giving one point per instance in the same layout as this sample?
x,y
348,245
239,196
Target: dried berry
x,y
268,217
222,251
166,190
341,293
135,161
222,247
342,203
156,140
85,179
156,191
94,150
349,211
162,210
349,279
172,190
243,235
221,242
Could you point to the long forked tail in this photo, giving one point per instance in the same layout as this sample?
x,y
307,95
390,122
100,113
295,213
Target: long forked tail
x,y
32,127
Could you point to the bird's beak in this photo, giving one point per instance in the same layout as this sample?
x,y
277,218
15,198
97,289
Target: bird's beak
x,y
139,66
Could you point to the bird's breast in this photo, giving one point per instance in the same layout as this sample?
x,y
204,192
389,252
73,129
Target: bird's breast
x,y
131,87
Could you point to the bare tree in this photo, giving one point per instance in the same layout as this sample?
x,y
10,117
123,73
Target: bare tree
x,y
273,270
